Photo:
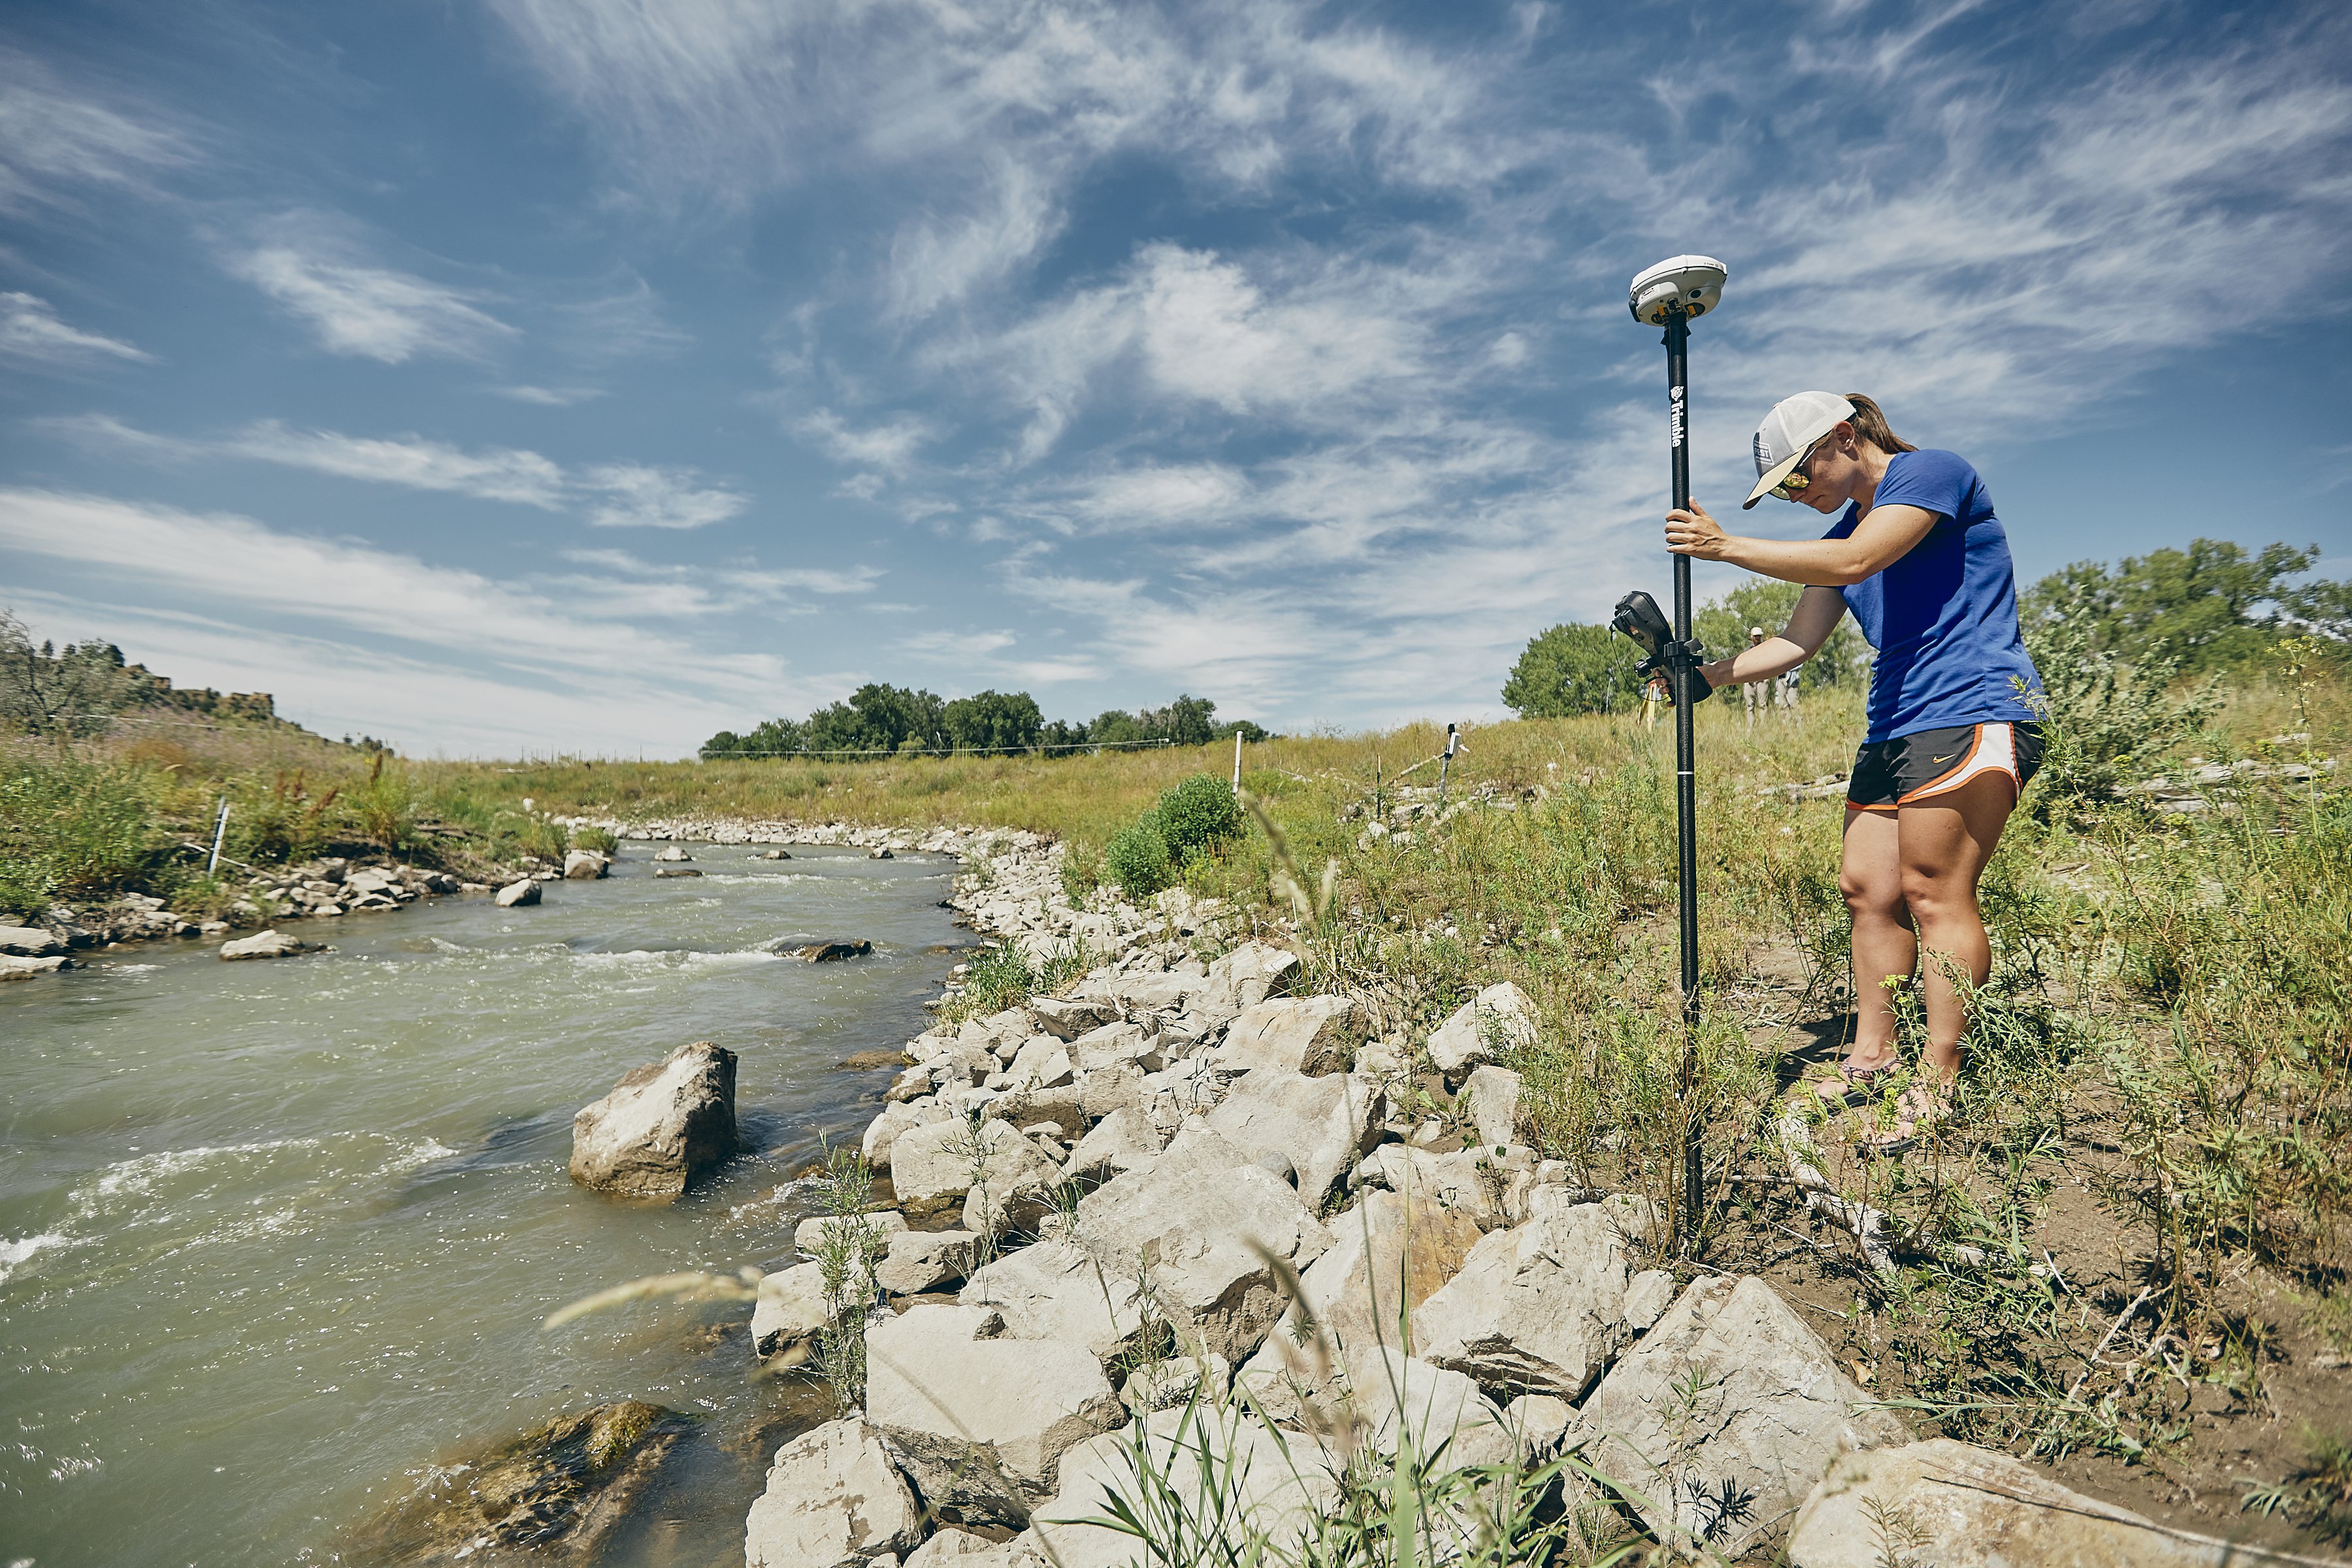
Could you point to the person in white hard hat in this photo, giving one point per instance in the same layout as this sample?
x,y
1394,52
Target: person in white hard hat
x,y
1918,556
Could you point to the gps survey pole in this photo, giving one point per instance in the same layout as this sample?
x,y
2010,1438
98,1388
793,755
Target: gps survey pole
x,y
1672,295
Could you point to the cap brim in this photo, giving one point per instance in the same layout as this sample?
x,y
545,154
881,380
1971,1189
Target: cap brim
x,y
1773,476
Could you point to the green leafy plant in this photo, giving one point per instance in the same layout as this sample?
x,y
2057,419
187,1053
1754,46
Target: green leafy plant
x,y
1197,816
603,840
1137,860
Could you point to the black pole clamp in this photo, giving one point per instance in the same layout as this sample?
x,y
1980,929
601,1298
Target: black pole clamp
x,y
1639,617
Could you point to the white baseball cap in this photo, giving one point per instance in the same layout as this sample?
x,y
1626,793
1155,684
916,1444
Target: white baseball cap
x,y
1794,424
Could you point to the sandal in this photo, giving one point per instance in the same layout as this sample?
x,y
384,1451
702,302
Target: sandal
x,y
1853,1085
1916,1112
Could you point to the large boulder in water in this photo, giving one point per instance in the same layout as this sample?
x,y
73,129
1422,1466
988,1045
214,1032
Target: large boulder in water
x,y
557,1491
663,1125
265,944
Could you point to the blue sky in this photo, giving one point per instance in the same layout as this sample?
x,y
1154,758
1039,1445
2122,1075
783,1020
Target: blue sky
x,y
593,375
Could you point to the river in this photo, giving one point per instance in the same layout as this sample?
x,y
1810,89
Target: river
x,y
276,1237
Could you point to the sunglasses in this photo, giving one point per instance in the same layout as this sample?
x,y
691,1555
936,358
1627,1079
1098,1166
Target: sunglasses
x,y
1798,480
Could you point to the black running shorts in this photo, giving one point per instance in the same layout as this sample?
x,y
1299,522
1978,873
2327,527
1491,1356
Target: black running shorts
x,y
1911,770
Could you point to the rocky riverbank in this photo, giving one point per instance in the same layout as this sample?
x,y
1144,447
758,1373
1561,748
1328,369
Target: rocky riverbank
x,y
1185,1214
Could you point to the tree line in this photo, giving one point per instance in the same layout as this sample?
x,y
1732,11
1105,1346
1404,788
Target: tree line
x,y
2210,609
878,719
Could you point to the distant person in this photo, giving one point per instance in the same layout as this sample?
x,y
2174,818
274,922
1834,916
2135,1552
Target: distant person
x,y
1918,556
1788,691
1654,696
1756,694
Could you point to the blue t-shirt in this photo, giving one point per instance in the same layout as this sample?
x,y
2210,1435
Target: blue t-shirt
x,y
1943,619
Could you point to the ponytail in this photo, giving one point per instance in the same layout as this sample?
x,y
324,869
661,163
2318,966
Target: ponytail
x,y
1870,424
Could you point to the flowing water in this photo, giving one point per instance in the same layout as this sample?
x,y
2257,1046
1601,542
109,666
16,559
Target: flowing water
x,y
275,1238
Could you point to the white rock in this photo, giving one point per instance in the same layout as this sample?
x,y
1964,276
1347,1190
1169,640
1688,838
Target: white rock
x,y
584,866
1498,1015
1178,1380
1123,1140
984,1422
1068,1019
1493,1094
931,1166
1059,1290
1257,970
789,1312
512,895
1397,1399
1960,1506
1115,1045
834,1500
1391,1254
1538,1310
1043,1063
663,1125
1322,1125
1281,1490
883,1224
265,944
1310,1035
12,967
1771,1412
923,1260
1195,1213
953,1546
30,941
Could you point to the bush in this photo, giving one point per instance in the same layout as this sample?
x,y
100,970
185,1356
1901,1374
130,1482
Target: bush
x,y
72,828
599,839
1195,817
1138,859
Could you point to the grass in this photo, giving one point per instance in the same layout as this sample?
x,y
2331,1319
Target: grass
x,y
2160,1086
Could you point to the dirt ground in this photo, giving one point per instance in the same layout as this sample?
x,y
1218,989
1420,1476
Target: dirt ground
x,y
2229,1438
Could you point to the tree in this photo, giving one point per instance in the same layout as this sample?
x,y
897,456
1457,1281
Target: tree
x,y
1248,731
993,722
2207,607
71,693
878,717
1722,625
1187,722
1573,668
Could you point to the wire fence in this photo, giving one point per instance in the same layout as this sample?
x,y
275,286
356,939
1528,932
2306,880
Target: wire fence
x,y
956,750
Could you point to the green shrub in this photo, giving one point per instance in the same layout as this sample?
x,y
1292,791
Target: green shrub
x,y
1195,817
996,978
72,828
599,839
385,806
1138,859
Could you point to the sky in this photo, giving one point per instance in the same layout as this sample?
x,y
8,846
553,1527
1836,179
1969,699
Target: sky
x,y
506,376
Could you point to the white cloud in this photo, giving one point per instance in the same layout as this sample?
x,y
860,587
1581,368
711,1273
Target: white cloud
x,y
58,141
548,397
889,446
487,651
365,310
503,474
616,494
31,329
640,497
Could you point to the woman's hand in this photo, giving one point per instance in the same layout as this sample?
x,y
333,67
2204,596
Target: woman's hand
x,y
1694,534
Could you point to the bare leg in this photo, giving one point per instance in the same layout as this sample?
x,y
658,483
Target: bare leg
x,y
1945,844
1870,875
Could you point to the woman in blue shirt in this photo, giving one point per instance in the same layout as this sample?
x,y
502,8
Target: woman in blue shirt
x,y
1918,556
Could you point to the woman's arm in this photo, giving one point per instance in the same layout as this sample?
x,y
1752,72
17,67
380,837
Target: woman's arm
x,y
1816,615
1881,539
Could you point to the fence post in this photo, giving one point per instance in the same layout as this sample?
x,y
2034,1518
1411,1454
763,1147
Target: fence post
x,y
220,827
1237,764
